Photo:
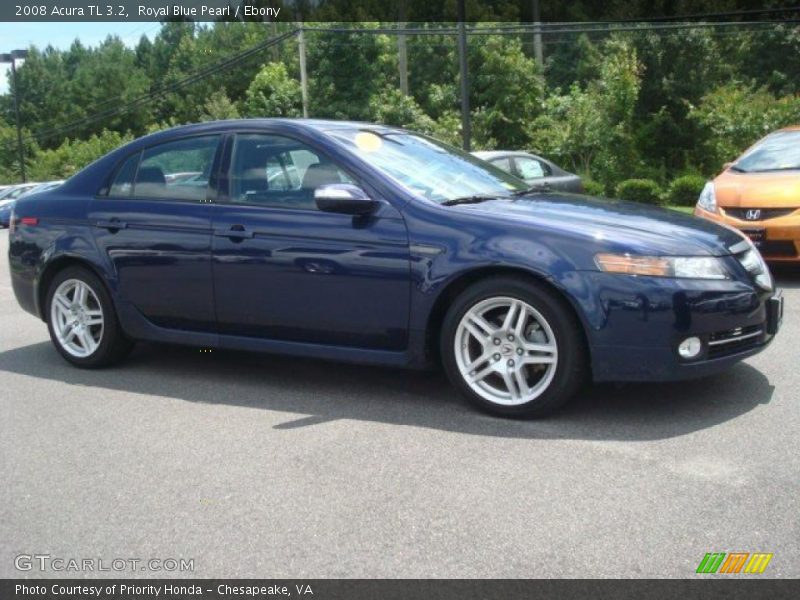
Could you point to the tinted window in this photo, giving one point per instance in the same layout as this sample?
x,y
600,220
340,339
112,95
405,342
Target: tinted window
x,y
161,172
529,168
276,171
502,163
123,182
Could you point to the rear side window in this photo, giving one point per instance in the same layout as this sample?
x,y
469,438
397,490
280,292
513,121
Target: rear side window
x,y
177,170
123,182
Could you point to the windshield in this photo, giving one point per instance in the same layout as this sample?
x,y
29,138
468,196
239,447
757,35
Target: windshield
x,y
777,152
427,167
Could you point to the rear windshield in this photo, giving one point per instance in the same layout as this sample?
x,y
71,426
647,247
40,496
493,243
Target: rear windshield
x,y
777,152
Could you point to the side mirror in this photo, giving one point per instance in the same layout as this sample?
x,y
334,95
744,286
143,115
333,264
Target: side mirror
x,y
344,198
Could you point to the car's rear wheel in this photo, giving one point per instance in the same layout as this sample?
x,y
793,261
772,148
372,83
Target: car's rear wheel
x,y
81,320
513,348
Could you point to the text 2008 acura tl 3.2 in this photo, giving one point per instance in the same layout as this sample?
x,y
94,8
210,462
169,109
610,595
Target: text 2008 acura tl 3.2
x,y
372,244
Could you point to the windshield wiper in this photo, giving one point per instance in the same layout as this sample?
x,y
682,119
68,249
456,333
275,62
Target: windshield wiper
x,y
539,187
476,199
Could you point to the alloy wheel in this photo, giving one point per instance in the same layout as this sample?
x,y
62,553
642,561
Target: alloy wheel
x,y
77,318
506,351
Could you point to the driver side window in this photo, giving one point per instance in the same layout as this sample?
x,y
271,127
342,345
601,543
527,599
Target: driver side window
x,y
279,172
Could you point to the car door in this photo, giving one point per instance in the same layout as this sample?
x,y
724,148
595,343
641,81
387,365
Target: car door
x,y
157,236
284,270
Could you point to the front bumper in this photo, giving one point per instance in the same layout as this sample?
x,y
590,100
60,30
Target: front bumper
x,y
643,320
777,239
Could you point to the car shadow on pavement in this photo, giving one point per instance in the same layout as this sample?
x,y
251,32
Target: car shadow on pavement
x,y
324,391
786,275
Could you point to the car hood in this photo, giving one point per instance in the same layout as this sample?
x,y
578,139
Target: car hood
x,y
758,190
616,225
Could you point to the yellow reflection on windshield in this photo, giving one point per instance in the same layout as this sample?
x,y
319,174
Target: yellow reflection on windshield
x,y
368,142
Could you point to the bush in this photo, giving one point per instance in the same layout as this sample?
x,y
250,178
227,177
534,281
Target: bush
x,y
593,188
685,190
645,191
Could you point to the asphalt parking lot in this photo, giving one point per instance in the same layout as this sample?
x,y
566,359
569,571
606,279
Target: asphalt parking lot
x,y
265,466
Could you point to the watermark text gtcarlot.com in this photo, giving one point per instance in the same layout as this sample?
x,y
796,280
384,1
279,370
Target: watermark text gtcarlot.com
x,y
57,564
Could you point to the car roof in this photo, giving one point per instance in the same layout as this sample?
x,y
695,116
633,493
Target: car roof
x,y
498,153
312,124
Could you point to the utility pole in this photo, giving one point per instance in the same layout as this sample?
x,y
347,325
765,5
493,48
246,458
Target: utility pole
x,y
538,52
12,58
301,43
402,56
466,129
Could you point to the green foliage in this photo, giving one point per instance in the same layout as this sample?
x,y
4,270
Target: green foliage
x,y
507,92
590,129
684,190
392,107
645,191
734,116
74,155
219,107
9,153
273,94
593,188
346,73
637,104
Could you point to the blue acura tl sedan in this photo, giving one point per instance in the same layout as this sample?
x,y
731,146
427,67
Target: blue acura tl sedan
x,y
366,243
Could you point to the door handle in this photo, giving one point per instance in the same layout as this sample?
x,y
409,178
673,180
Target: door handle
x,y
111,224
236,232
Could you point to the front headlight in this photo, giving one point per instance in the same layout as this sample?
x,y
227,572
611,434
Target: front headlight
x,y
682,267
754,263
708,198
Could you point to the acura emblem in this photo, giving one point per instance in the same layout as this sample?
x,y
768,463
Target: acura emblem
x,y
753,214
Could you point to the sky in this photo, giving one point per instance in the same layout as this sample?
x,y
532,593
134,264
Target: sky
x,y
61,35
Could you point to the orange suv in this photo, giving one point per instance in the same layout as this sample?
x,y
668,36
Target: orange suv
x,y
760,195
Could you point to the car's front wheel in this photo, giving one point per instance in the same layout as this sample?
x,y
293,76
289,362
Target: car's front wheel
x,y
513,348
81,320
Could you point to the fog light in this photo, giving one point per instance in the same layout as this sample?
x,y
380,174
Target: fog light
x,y
690,347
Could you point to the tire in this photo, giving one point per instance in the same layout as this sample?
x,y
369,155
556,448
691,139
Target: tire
x,y
493,358
106,343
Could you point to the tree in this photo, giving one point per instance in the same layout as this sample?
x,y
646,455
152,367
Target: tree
x,y
272,93
73,155
9,153
392,107
219,107
592,129
507,93
736,115
347,72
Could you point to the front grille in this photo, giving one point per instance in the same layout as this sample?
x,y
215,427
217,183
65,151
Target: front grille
x,y
723,343
758,214
774,249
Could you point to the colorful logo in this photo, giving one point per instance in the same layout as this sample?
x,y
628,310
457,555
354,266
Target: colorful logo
x,y
734,562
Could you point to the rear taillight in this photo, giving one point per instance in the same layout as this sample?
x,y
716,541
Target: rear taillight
x,y
13,221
